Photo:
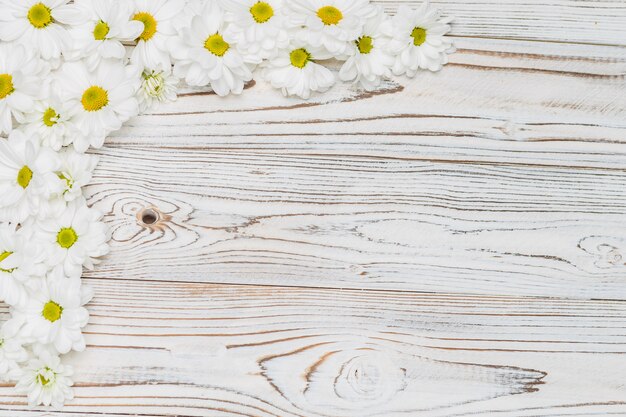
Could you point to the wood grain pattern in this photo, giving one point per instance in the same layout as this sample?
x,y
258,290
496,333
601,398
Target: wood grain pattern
x,y
447,246
349,221
498,101
563,21
203,349
435,184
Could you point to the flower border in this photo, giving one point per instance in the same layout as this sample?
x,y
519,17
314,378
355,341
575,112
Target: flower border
x,y
72,72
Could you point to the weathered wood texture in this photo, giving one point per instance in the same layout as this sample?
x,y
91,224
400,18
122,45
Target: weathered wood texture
x,y
211,350
451,245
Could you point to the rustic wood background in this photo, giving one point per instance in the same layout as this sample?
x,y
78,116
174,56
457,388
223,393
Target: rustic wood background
x,y
451,245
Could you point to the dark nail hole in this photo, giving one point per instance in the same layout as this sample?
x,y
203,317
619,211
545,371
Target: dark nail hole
x,y
149,216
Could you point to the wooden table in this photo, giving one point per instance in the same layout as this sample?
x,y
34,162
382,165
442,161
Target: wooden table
x,y
451,245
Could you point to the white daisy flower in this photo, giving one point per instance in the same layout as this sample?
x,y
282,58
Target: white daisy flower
x,y
27,176
52,121
54,314
75,171
204,52
152,50
21,259
295,71
74,239
369,59
103,28
46,381
156,87
100,100
12,353
418,39
332,24
21,76
257,27
38,24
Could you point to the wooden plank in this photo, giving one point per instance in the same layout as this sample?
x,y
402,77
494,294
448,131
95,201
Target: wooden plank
x,y
350,221
200,349
565,21
497,102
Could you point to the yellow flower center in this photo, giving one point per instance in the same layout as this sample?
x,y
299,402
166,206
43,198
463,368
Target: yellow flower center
x,y
50,117
6,85
68,181
3,256
51,312
24,176
419,36
95,98
299,57
261,12
66,237
43,380
149,25
100,31
365,44
39,16
216,45
330,15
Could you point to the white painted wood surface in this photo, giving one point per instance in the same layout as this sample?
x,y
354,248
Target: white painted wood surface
x,y
450,245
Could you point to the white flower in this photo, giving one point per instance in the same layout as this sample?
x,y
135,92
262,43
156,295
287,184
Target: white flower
x,y
37,24
51,121
12,353
27,176
54,314
369,59
156,87
73,239
332,24
100,100
418,40
152,50
104,26
204,52
75,171
46,381
295,71
21,259
22,80
257,27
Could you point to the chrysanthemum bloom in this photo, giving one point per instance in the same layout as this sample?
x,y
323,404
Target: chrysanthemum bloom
x,y
295,72
38,24
76,170
51,120
21,75
369,59
74,239
157,87
257,27
12,353
100,100
46,381
27,177
418,39
105,24
54,314
152,50
331,24
21,261
204,52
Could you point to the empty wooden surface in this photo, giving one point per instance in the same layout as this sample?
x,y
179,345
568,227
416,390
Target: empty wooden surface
x,y
451,245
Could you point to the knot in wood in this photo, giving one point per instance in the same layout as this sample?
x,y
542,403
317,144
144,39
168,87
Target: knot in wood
x,y
152,218
371,378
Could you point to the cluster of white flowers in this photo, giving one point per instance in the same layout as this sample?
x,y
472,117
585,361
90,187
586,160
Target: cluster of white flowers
x,y
72,72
